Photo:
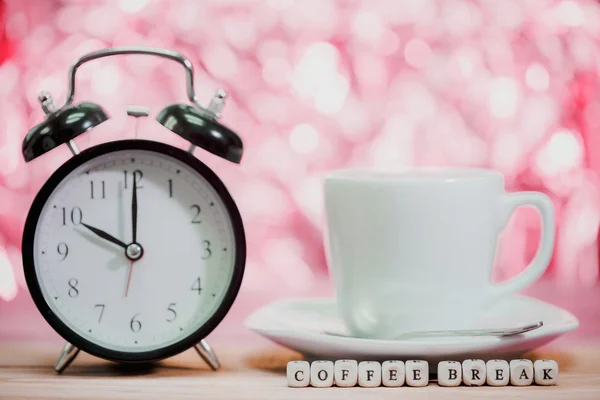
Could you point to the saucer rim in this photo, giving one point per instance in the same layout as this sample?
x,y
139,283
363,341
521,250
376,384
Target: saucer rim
x,y
567,323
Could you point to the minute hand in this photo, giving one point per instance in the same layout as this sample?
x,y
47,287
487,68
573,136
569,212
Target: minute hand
x,y
134,210
105,235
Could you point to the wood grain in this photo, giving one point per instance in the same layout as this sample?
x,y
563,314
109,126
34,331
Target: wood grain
x,y
249,373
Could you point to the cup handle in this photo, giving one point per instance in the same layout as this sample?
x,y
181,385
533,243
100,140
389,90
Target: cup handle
x,y
540,262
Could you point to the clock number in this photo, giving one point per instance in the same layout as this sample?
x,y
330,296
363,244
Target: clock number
x,y
135,325
170,187
92,190
172,311
76,216
101,306
207,250
137,178
63,250
196,286
196,218
73,291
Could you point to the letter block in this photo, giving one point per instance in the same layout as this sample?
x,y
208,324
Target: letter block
x,y
369,374
392,373
417,373
449,373
521,372
498,373
545,372
298,373
473,372
321,374
346,373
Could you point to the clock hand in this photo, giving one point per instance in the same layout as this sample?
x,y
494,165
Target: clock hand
x,y
105,236
129,277
133,228
134,210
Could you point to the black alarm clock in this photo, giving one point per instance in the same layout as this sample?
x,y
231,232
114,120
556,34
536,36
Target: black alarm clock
x,y
134,250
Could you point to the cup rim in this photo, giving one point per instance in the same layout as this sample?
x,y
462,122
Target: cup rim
x,y
413,174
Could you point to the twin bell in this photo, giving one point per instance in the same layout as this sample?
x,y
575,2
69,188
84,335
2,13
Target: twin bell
x,y
192,122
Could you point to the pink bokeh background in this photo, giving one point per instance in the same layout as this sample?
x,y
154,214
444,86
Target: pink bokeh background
x,y
320,85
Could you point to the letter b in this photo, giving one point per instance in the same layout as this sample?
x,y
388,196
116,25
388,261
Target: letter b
x,y
452,374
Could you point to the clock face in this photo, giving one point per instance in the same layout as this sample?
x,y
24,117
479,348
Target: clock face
x,y
134,251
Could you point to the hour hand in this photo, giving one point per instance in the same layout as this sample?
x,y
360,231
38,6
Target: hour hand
x,y
105,236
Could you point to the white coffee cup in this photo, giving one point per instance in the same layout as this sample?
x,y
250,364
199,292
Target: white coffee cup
x,y
414,250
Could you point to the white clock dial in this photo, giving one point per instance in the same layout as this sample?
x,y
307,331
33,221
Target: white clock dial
x,y
183,228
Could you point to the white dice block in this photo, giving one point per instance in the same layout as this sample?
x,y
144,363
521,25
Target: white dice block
x,y
298,373
498,373
369,374
392,373
321,374
473,372
346,373
417,373
545,372
521,372
449,373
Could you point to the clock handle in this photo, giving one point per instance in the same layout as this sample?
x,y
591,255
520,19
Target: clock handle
x,y
172,55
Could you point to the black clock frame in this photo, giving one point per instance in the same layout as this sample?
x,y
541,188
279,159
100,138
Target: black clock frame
x,y
28,251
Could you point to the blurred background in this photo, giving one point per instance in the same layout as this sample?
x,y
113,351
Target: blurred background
x,y
319,85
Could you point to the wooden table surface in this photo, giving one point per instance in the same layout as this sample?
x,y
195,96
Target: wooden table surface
x,y
254,368
250,373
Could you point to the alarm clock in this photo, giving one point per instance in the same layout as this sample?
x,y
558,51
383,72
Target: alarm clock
x,y
133,250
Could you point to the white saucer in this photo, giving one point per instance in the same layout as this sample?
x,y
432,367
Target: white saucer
x,y
299,325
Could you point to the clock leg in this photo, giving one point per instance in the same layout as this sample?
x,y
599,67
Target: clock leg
x,y
207,354
67,355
